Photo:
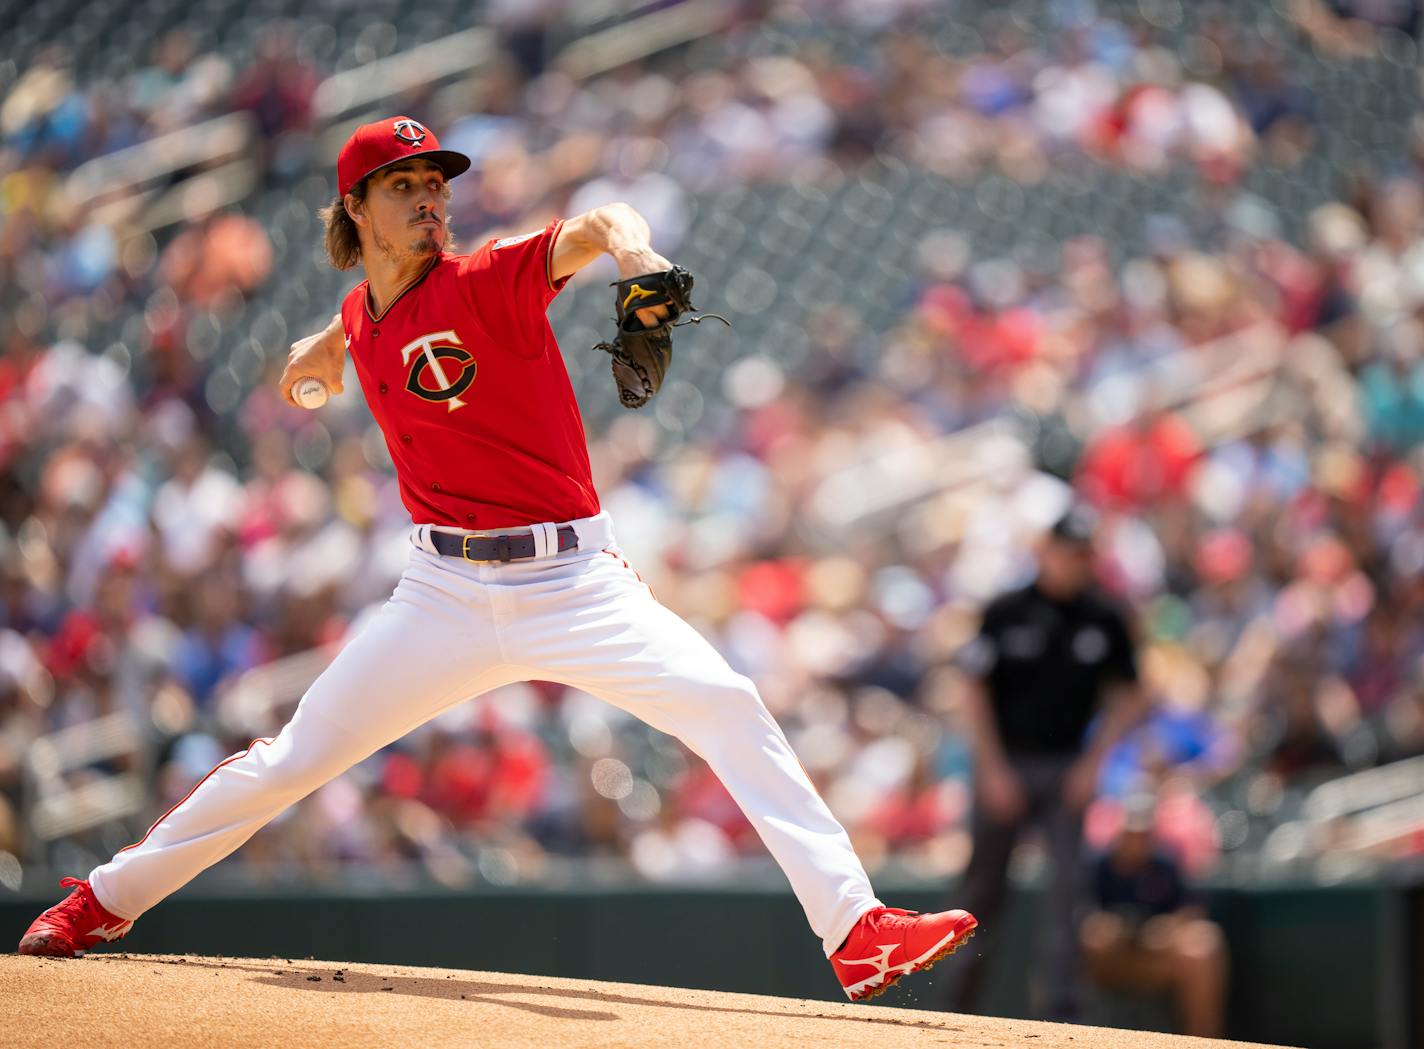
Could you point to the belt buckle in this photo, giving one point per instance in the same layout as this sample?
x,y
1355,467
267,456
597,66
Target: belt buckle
x,y
502,550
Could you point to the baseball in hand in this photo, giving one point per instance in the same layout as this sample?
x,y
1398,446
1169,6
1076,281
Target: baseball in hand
x,y
310,393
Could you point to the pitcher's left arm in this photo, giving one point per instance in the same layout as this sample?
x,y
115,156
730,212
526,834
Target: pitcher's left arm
x,y
616,230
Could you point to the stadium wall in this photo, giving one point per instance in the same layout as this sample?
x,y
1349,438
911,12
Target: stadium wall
x,y
1324,967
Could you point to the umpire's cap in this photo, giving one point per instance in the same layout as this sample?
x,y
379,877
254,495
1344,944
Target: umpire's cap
x,y
1077,525
373,146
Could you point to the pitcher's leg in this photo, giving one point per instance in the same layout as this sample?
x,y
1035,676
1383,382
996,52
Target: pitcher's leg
x,y
726,724
634,653
415,659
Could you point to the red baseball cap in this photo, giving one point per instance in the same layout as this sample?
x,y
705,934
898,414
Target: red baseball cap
x,y
373,146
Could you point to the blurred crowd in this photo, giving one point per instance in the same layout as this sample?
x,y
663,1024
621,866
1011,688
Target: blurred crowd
x,y
162,537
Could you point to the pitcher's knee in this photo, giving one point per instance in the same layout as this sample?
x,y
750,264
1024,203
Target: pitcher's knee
x,y
737,698
287,772
730,719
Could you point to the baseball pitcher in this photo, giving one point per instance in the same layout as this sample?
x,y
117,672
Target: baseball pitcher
x,y
514,571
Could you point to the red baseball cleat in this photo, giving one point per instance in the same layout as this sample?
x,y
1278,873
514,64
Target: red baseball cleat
x,y
887,943
73,925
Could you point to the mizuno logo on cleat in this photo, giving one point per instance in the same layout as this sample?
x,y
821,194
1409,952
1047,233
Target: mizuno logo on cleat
x,y
882,963
111,934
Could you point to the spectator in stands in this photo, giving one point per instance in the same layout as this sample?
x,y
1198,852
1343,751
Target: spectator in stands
x,y
1392,388
1143,462
1148,933
1048,659
218,646
1180,736
25,691
1349,27
44,114
1280,113
1302,741
278,90
217,259
151,87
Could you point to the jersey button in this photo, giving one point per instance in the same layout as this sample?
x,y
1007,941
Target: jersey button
x,y
435,487
405,438
375,332
469,518
384,387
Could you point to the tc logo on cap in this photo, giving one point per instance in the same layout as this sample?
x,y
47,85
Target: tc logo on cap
x,y
409,131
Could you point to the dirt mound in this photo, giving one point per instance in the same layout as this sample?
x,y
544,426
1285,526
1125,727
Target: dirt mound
x,y
137,1000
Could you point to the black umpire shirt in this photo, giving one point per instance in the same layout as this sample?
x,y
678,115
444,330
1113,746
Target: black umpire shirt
x,y
1045,665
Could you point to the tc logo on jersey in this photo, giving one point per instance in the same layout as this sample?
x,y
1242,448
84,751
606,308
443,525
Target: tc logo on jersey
x,y
409,131
443,370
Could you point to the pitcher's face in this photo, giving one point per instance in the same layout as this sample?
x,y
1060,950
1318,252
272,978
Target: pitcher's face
x,y
405,206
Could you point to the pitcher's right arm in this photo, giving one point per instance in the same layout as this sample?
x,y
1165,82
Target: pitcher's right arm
x,y
320,356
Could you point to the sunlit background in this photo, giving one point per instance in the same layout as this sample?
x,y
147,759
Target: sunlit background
x,y
976,255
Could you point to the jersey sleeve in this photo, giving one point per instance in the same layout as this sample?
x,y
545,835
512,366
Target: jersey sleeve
x,y
1121,663
979,657
351,306
511,282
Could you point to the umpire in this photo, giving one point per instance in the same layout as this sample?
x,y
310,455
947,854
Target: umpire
x,y
1050,660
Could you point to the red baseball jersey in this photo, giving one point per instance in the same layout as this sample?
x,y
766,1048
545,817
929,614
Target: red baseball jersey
x,y
468,385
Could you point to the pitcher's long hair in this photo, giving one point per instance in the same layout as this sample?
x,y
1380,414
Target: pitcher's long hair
x,y
343,238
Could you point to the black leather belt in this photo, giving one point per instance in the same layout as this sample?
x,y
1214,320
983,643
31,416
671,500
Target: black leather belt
x,y
497,547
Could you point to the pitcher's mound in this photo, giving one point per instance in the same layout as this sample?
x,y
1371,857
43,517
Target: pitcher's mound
x,y
138,1000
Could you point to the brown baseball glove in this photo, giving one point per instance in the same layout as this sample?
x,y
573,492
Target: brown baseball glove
x,y
641,355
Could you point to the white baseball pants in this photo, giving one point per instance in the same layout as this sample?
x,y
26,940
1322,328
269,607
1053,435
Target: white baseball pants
x,y
453,629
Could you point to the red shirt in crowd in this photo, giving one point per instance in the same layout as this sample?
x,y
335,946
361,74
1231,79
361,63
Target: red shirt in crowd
x,y
1133,465
467,383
